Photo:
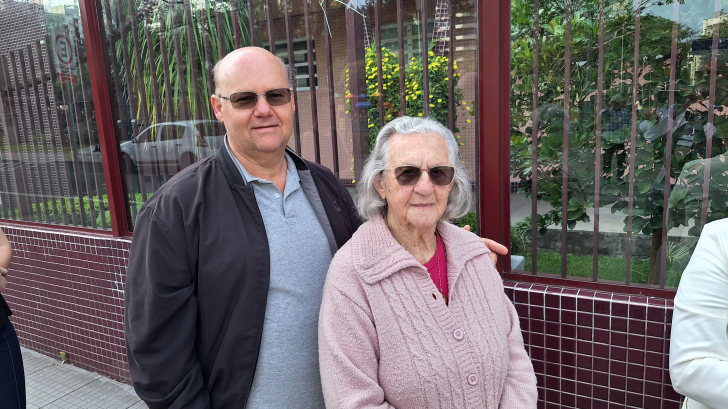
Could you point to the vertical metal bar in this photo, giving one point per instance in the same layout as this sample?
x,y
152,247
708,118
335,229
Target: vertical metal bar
x,y
567,123
141,86
534,141
598,149
29,75
378,44
711,113
236,24
95,37
425,61
220,29
451,65
400,58
668,144
292,74
332,100
251,19
632,149
194,68
91,143
493,122
357,86
207,46
49,153
27,130
183,112
71,139
269,18
312,80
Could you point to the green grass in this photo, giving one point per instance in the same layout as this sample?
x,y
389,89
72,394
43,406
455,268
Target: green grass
x,y
610,268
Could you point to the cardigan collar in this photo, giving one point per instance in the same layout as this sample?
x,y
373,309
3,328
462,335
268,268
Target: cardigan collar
x,y
377,254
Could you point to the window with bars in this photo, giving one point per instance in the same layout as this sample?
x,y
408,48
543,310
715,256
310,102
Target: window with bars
x,y
300,61
412,36
618,171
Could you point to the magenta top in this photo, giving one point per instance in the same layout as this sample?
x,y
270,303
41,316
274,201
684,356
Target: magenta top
x,y
437,267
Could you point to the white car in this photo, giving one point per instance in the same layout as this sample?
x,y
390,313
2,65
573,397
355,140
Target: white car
x,y
166,148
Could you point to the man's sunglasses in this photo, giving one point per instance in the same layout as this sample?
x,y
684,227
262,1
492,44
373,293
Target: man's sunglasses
x,y
407,175
247,100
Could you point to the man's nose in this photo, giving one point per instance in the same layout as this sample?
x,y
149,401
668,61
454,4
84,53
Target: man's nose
x,y
262,107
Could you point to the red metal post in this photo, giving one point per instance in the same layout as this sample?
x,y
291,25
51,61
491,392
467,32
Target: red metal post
x,y
97,63
493,174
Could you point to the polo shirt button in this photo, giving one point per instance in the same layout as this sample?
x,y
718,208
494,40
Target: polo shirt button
x,y
277,195
473,379
458,334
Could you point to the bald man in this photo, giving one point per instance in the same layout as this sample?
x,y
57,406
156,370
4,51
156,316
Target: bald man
x,y
229,259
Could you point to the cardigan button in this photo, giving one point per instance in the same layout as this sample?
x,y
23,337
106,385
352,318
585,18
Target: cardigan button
x,y
473,379
458,334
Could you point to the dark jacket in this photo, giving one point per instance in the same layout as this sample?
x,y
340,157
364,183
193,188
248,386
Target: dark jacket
x,y
197,281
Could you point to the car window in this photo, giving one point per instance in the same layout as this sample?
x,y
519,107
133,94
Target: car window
x,y
149,134
211,128
172,132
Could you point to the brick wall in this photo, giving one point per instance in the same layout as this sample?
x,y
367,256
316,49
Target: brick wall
x,y
66,290
590,349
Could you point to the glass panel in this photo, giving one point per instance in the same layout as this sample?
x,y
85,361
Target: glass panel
x,y
637,150
161,71
51,163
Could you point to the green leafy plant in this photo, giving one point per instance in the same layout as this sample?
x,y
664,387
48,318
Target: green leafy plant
x,y
521,237
438,88
470,219
64,357
651,104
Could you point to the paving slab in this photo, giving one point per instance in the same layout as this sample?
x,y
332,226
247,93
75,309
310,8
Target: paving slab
x,y
52,385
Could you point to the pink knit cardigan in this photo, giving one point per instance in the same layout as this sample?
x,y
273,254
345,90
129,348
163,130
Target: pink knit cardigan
x,y
387,339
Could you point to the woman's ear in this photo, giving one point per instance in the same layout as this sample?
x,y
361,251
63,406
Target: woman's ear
x,y
379,186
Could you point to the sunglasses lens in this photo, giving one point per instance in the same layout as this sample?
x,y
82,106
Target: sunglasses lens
x,y
243,100
407,175
442,175
277,97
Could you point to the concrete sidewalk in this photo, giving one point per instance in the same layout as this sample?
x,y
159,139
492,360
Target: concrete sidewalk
x,y
51,385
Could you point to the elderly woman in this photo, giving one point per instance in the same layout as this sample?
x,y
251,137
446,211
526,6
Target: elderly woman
x,y
699,346
414,314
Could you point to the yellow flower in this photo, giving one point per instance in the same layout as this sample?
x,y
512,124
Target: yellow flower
x,y
431,96
406,98
420,114
432,105
353,181
414,85
464,103
467,120
372,125
446,78
439,100
431,54
467,108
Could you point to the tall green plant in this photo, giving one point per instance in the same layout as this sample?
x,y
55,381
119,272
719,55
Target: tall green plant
x,y
651,103
198,56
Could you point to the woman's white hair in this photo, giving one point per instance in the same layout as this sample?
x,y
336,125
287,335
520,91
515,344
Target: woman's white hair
x,y
370,204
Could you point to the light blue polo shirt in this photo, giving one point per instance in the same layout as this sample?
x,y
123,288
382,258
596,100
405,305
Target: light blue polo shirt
x,y
287,374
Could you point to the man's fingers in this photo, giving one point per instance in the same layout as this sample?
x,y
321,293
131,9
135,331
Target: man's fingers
x,y
466,227
494,257
3,282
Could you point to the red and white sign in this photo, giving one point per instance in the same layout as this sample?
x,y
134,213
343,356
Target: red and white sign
x,y
65,59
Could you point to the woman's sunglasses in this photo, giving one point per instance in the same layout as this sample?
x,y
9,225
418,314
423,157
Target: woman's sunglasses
x,y
407,175
247,100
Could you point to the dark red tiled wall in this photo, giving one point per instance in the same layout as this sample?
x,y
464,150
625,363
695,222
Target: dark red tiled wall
x,y
66,291
590,349
594,349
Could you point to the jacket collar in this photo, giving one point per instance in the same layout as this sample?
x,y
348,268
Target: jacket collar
x,y
377,254
232,173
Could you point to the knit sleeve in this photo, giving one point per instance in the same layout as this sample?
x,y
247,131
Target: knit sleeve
x,y
348,354
520,387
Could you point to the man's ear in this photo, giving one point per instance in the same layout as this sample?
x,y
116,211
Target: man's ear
x,y
217,107
379,186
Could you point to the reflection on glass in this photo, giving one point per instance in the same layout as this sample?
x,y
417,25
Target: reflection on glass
x,y
656,119
51,169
